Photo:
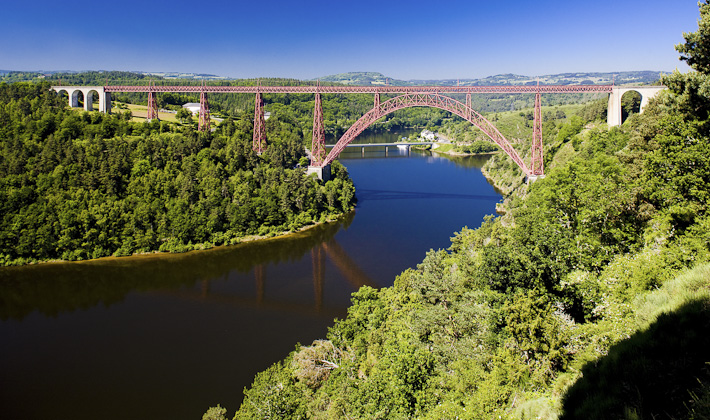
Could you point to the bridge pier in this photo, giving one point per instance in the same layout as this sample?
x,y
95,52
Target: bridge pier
x,y
318,153
152,107
532,178
322,172
204,124
536,160
259,139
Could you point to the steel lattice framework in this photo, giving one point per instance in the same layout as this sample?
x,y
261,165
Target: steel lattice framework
x,y
204,124
435,100
152,105
259,143
536,163
409,96
318,142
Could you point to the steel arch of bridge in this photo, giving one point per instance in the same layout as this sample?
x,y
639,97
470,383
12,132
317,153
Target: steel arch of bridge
x,y
430,99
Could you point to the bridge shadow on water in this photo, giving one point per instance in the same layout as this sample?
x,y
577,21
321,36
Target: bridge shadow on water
x,y
55,288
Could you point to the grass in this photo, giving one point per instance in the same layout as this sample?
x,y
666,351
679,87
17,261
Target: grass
x,y
514,126
140,113
443,148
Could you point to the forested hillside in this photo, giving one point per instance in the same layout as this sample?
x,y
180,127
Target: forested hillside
x,y
591,301
77,185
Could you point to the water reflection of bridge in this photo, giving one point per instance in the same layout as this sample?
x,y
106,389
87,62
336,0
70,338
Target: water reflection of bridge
x,y
331,249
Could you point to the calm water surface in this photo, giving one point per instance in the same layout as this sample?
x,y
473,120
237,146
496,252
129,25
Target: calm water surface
x,y
167,336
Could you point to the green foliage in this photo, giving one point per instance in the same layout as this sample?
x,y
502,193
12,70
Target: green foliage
x,y
478,146
677,173
574,126
595,111
215,413
184,115
696,50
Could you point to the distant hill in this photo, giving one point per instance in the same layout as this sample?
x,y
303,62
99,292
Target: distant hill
x,y
619,78
371,78
176,75
363,79
15,75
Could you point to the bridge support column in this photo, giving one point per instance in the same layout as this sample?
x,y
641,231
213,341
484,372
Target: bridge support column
x,y
204,124
322,172
259,142
613,113
105,102
152,107
318,143
536,163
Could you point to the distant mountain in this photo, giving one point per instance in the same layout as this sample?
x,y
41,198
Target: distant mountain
x,y
29,75
177,75
378,79
363,79
619,78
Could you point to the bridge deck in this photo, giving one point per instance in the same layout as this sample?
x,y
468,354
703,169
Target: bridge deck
x,y
361,89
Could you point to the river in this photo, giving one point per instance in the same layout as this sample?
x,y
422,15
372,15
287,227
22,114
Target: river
x,y
167,336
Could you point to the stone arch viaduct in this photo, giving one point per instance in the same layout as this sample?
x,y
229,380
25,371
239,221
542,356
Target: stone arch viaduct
x,y
87,91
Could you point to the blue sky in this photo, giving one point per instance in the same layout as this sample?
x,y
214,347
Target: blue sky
x,y
313,38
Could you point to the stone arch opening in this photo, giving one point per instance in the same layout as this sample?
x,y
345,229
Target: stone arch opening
x,y
92,100
63,95
630,104
76,99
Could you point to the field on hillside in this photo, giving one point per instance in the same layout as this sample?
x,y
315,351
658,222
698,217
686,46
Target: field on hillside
x,y
140,113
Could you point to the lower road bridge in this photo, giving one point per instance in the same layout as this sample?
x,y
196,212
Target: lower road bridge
x,y
399,145
405,97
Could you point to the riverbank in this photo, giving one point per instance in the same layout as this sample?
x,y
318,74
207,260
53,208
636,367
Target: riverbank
x,y
193,248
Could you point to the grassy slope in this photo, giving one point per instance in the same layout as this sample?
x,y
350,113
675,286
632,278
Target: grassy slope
x,y
140,113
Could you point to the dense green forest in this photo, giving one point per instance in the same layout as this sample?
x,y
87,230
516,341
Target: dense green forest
x,y
77,185
589,299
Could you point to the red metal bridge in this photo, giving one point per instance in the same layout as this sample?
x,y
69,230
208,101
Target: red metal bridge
x,y
409,96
